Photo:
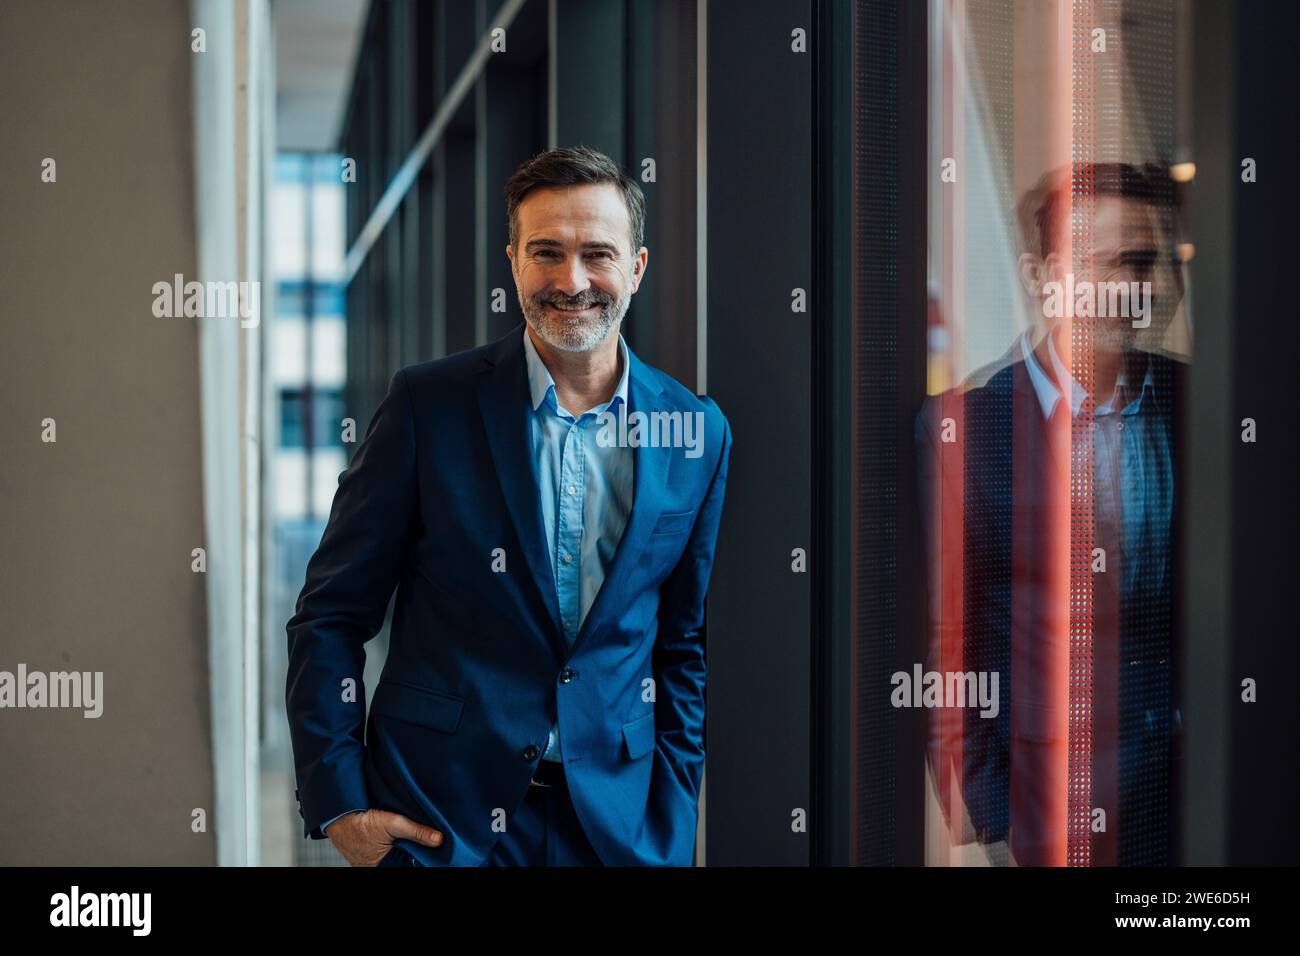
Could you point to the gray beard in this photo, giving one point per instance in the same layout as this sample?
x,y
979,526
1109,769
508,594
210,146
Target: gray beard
x,y
1120,336
569,336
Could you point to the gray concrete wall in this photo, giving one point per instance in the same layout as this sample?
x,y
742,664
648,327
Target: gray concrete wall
x,y
96,529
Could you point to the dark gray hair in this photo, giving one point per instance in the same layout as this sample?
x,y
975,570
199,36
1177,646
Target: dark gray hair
x,y
574,166
1041,209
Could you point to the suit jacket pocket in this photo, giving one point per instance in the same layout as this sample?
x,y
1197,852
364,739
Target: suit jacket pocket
x,y
673,522
418,705
639,735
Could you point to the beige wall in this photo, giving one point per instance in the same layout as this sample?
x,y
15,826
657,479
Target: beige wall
x,y
97,528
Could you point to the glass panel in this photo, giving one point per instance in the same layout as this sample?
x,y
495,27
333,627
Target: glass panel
x,y
1058,340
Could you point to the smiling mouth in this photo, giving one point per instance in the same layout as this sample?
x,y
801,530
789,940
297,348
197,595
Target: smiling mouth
x,y
562,309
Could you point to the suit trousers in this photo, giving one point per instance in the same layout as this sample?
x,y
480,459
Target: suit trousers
x,y
544,830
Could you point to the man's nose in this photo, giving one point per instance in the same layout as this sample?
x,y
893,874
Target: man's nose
x,y
572,280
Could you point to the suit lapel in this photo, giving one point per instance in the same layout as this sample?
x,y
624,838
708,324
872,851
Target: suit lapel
x,y
649,478
505,405
1046,450
504,402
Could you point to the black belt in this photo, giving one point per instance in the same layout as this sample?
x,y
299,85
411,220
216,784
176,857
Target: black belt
x,y
549,773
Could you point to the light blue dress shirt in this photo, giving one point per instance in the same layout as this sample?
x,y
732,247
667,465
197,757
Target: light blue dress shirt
x,y
586,495
1133,473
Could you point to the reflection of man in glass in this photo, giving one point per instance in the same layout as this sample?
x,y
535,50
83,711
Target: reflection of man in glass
x,y
1051,506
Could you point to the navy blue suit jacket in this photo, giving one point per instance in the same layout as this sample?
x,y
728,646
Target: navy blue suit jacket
x,y
478,668
1007,492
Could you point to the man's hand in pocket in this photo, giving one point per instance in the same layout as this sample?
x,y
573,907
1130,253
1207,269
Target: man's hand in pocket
x,y
365,837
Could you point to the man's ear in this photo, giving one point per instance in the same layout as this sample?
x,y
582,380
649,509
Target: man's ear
x,y
1031,271
638,267
1055,268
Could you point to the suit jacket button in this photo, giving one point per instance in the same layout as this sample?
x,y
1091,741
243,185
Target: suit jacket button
x,y
531,752
567,675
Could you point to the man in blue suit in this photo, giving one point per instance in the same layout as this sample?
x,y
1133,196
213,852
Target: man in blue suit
x,y
542,702
1004,506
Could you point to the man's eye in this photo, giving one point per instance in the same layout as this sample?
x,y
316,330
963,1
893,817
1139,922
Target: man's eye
x,y
1143,259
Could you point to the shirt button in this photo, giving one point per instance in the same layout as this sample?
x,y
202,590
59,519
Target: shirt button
x,y
568,623
1119,426
568,558
572,490
531,752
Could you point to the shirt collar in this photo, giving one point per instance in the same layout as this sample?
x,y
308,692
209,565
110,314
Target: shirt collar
x,y
541,384
1148,388
1049,393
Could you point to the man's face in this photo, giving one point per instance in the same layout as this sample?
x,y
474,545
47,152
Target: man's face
x,y
1128,244
574,271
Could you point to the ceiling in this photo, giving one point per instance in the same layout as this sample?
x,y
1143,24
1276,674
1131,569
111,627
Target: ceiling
x,y
315,48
